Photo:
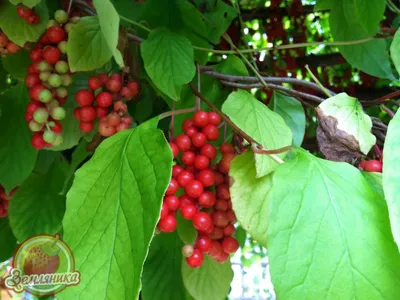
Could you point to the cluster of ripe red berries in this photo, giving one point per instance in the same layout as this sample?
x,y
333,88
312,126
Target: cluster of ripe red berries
x,y
7,46
206,198
371,165
47,79
4,198
28,14
105,100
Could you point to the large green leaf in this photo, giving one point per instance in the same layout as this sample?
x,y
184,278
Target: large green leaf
x,y
8,240
17,29
186,230
211,281
324,4
391,177
37,207
109,24
350,118
168,60
395,50
87,47
162,275
292,112
17,156
368,13
17,64
3,79
112,210
328,237
263,125
375,180
29,3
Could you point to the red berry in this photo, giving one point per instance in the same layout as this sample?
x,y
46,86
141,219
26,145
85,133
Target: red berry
x,y
229,230
127,120
194,188
214,118
186,200
183,142
176,170
223,192
187,124
172,187
32,80
206,177
104,99
164,211
362,164
76,113
199,139
113,85
167,224
122,126
200,118
120,107
106,130
211,132
202,221
3,39
215,249
184,178
13,48
34,92
103,78
207,199
33,68
188,211
230,244
55,34
101,112
84,97
196,260
113,119
221,205
87,114
33,106
231,215
51,54
172,201
36,55
204,243
37,141
57,128
174,148
373,166
222,257
219,178
216,234
226,148
134,86
188,158
209,150
225,163
201,162
86,127
220,219
94,83
24,12
116,77
191,131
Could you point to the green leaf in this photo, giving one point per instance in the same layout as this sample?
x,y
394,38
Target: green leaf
x,y
17,29
17,64
338,227
186,230
241,236
368,13
29,3
162,275
324,4
8,240
87,47
168,60
391,177
17,156
3,79
292,112
37,207
263,125
211,281
395,50
112,210
350,118
109,24
375,180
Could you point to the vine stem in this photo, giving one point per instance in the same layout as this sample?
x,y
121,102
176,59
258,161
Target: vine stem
x,y
387,110
70,6
318,82
240,132
137,24
393,7
177,112
198,101
172,129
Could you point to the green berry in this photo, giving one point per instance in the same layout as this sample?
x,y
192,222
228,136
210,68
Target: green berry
x,y
45,96
62,67
55,80
59,140
49,136
62,92
62,46
58,113
61,16
35,126
66,80
68,27
44,66
75,20
52,23
52,105
41,115
44,76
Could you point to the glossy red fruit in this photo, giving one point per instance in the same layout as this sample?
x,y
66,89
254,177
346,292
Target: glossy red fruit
x,y
219,178
199,139
173,187
214,118
204,243
174,148
33,68
362,164
94,83
113,119
187,124
230,244
32,79
134,86
373,166
216,249
37,141
221,205
13,48
202,221
184,178
186,200
209,150
183,142
229,230
51,55
188,158
33,106
127,120
87,114
230,214
3,39
201,162
196,260
36,55
191,132
104,99
211,132
219,219
103,77
194,188
188,211
113,85
207,199
86,127
222,257
120,107
55,34
57,128
226,148
176,170
200,118
101,112
24,12
34,91
84,97
106,130
216,234
206,177
122,126
116,77
172,201
168,223
225,163
223,192
76,113
164,211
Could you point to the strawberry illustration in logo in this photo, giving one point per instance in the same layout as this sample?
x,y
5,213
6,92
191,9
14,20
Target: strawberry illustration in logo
x,y
42,259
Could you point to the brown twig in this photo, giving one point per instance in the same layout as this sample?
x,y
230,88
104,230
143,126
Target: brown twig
x,y
383,98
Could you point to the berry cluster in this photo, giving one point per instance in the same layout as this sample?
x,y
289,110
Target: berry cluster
x,y
105,100
47,79
371,165
4,198
7,46
28,14
206,198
